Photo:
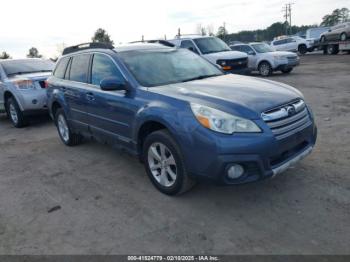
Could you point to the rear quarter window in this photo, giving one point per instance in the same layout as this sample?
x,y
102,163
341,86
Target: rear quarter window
x,y
61,68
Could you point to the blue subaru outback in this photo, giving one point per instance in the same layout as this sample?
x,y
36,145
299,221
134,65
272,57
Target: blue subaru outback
x,y
180,114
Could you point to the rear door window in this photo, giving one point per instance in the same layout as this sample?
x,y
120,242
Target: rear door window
x,y
79,68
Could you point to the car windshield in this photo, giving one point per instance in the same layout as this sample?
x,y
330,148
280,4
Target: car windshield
x,y
16,67
167,66
209,45
262,48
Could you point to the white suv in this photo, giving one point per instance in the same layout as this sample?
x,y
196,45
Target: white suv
x,y
292,44
264,59
215,51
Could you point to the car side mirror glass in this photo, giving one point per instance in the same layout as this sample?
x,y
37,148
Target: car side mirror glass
x,y
251,53
113,83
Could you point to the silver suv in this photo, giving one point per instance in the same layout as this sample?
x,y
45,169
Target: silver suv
x,y
264,59
23,88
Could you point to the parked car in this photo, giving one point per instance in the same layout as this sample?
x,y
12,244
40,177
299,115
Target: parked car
x,y
23,88
292,44
215,51
262,58
180,114
335,33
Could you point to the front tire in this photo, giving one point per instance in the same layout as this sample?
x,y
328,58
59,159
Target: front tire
x,y
265,69
15,114
302,49
165,165
64,130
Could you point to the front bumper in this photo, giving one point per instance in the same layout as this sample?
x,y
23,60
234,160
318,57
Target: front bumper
x,y
240,71
288,65
262,156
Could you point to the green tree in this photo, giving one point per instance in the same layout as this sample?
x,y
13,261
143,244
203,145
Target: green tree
x,y
222,33
5,55
34,53
336,17
101,36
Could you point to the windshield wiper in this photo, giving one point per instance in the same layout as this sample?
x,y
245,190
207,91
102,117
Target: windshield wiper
x,y
199,77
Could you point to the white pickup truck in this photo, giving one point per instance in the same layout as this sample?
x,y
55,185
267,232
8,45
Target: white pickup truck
x,y
215,51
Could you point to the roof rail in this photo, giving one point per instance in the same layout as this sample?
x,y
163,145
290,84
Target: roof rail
x,y
157,41
85,46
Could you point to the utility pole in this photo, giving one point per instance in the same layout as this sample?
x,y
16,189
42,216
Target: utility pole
x,y
224,31
287,14
285,11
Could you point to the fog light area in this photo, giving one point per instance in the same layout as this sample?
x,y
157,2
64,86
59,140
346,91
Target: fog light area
x,y
235,171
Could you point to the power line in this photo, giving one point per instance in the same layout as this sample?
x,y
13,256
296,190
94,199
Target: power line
x,y
287,10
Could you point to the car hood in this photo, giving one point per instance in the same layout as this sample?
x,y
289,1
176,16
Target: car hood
x,y
32,76
227,55
240,95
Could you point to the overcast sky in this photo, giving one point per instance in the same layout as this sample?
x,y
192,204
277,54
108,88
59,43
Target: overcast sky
x,y
46,24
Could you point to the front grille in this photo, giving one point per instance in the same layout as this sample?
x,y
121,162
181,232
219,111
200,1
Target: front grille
x,y
235,63
288,119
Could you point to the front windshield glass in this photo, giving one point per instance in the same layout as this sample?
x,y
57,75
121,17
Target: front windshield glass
x,y
262,48
15,67
167,66
209,45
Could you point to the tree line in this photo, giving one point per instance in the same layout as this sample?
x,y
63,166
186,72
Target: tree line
x,y
276,29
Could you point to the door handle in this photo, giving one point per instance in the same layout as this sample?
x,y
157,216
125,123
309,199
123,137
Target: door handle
x,y
90,96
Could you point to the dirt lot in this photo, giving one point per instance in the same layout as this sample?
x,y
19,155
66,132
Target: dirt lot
x,y
108,205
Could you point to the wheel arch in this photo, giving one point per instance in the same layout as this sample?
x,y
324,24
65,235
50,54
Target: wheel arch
x,y
149,126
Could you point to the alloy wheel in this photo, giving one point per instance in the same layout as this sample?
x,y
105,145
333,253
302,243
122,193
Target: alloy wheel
x,y
162,164
63,128
13,113
264,69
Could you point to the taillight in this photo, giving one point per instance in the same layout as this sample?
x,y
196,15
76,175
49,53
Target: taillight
x,y
46,84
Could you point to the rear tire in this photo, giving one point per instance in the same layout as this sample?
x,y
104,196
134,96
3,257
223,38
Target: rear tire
x,y
165,165
287,71
302,49
15,114
265,69
332,49
64,130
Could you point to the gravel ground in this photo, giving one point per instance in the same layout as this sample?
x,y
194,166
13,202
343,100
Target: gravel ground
x,y
92,199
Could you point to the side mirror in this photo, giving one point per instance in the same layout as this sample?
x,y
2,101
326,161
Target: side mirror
x,y
329,30
113,83
251,53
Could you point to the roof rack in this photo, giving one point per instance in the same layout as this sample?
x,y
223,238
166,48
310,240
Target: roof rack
x,y
157,41
85,46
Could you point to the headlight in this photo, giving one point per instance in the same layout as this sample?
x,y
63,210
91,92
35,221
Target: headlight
x,y
24,84
222,122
